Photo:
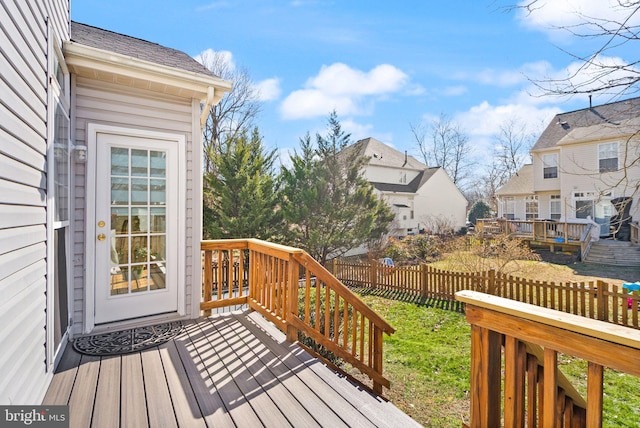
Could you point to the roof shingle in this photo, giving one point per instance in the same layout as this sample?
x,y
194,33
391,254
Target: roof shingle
x,y
136,48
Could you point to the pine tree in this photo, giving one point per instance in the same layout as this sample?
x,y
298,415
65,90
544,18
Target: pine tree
x,y
241,196
327,204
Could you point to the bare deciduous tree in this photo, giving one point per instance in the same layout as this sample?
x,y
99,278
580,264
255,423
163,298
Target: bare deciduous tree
x,y
513,144
444,143
601,70
236,111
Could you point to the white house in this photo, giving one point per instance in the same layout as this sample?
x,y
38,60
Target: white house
x,y
100,186
583,161
422,198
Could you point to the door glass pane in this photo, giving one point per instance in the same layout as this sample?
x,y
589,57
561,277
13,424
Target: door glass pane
x,y
158,164
139,163
138,220
119,191
139,191
119,161
158,192
158,220
158,248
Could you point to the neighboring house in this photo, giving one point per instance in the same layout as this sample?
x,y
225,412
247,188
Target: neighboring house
x,y
100,186
422,198
582,161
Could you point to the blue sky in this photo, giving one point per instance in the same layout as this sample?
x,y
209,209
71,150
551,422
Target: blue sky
x,y
382,65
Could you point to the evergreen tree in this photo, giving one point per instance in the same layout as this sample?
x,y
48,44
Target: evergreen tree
x,y
241,198
328,206
479,209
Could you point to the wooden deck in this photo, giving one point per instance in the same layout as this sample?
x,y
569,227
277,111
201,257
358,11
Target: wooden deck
x,y
232,369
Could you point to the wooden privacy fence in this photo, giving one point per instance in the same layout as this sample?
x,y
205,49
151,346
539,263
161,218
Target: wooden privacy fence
x,y
594,299
297,294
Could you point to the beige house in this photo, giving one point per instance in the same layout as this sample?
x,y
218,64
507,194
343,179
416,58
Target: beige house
x,y
583,161
422,198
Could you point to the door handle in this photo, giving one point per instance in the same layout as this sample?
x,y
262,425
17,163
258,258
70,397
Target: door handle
x,y
102,237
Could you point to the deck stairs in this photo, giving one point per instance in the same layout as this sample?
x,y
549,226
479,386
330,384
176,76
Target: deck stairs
x,y
614,253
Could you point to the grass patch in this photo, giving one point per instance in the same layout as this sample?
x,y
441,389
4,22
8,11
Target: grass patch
x,y
428,359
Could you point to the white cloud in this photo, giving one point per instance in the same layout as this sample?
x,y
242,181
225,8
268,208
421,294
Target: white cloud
x,y
268,89
211,59
549,15
485,120
347,90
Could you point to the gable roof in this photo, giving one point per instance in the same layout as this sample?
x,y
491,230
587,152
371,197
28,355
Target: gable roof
x,y
412,186
613,116
382,154
519,184
136,48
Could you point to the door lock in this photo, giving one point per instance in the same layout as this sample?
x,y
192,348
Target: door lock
x,y
102,237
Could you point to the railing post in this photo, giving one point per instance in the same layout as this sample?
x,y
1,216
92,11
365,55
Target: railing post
x,y
549,415
292,290
485,377
594,395
377,357
208,278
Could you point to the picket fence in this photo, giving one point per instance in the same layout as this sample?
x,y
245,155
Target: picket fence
x,y
593,299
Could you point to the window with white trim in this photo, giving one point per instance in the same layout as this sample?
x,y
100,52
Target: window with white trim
x,y
509,208
608,157
59,152
550,165
531,207
555,207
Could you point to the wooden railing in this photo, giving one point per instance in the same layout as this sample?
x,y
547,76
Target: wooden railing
x,y
297,294
592,299
538,230
535,393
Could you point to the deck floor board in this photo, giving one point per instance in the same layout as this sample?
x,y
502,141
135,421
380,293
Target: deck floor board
x,y
228,370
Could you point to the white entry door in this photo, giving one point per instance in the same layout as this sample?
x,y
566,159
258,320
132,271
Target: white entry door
x,y
136,227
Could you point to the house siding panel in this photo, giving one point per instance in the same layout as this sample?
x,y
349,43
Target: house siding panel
x,y
111,104
24,53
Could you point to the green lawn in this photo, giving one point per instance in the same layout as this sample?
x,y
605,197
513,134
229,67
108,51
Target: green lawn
x,y
427,361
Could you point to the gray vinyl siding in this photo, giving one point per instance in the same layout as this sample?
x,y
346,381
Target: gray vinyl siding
x,y
111,104
23,194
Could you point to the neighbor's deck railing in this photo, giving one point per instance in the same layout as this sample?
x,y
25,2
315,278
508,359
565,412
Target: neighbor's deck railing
x,y
538,230
592,299
534,392
297,294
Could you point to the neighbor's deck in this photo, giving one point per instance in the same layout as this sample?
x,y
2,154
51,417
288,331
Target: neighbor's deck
x,y
232,369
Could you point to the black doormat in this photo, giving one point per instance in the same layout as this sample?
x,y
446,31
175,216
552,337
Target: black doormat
x,y
126,341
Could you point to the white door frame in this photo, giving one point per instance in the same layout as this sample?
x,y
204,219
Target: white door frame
x,y
93,129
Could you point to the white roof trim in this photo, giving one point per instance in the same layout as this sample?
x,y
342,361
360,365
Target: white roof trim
x,y
106,62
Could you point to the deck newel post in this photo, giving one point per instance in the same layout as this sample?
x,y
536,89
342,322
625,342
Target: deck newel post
x,y
594,395
292,290
485,377
377,357
208,279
